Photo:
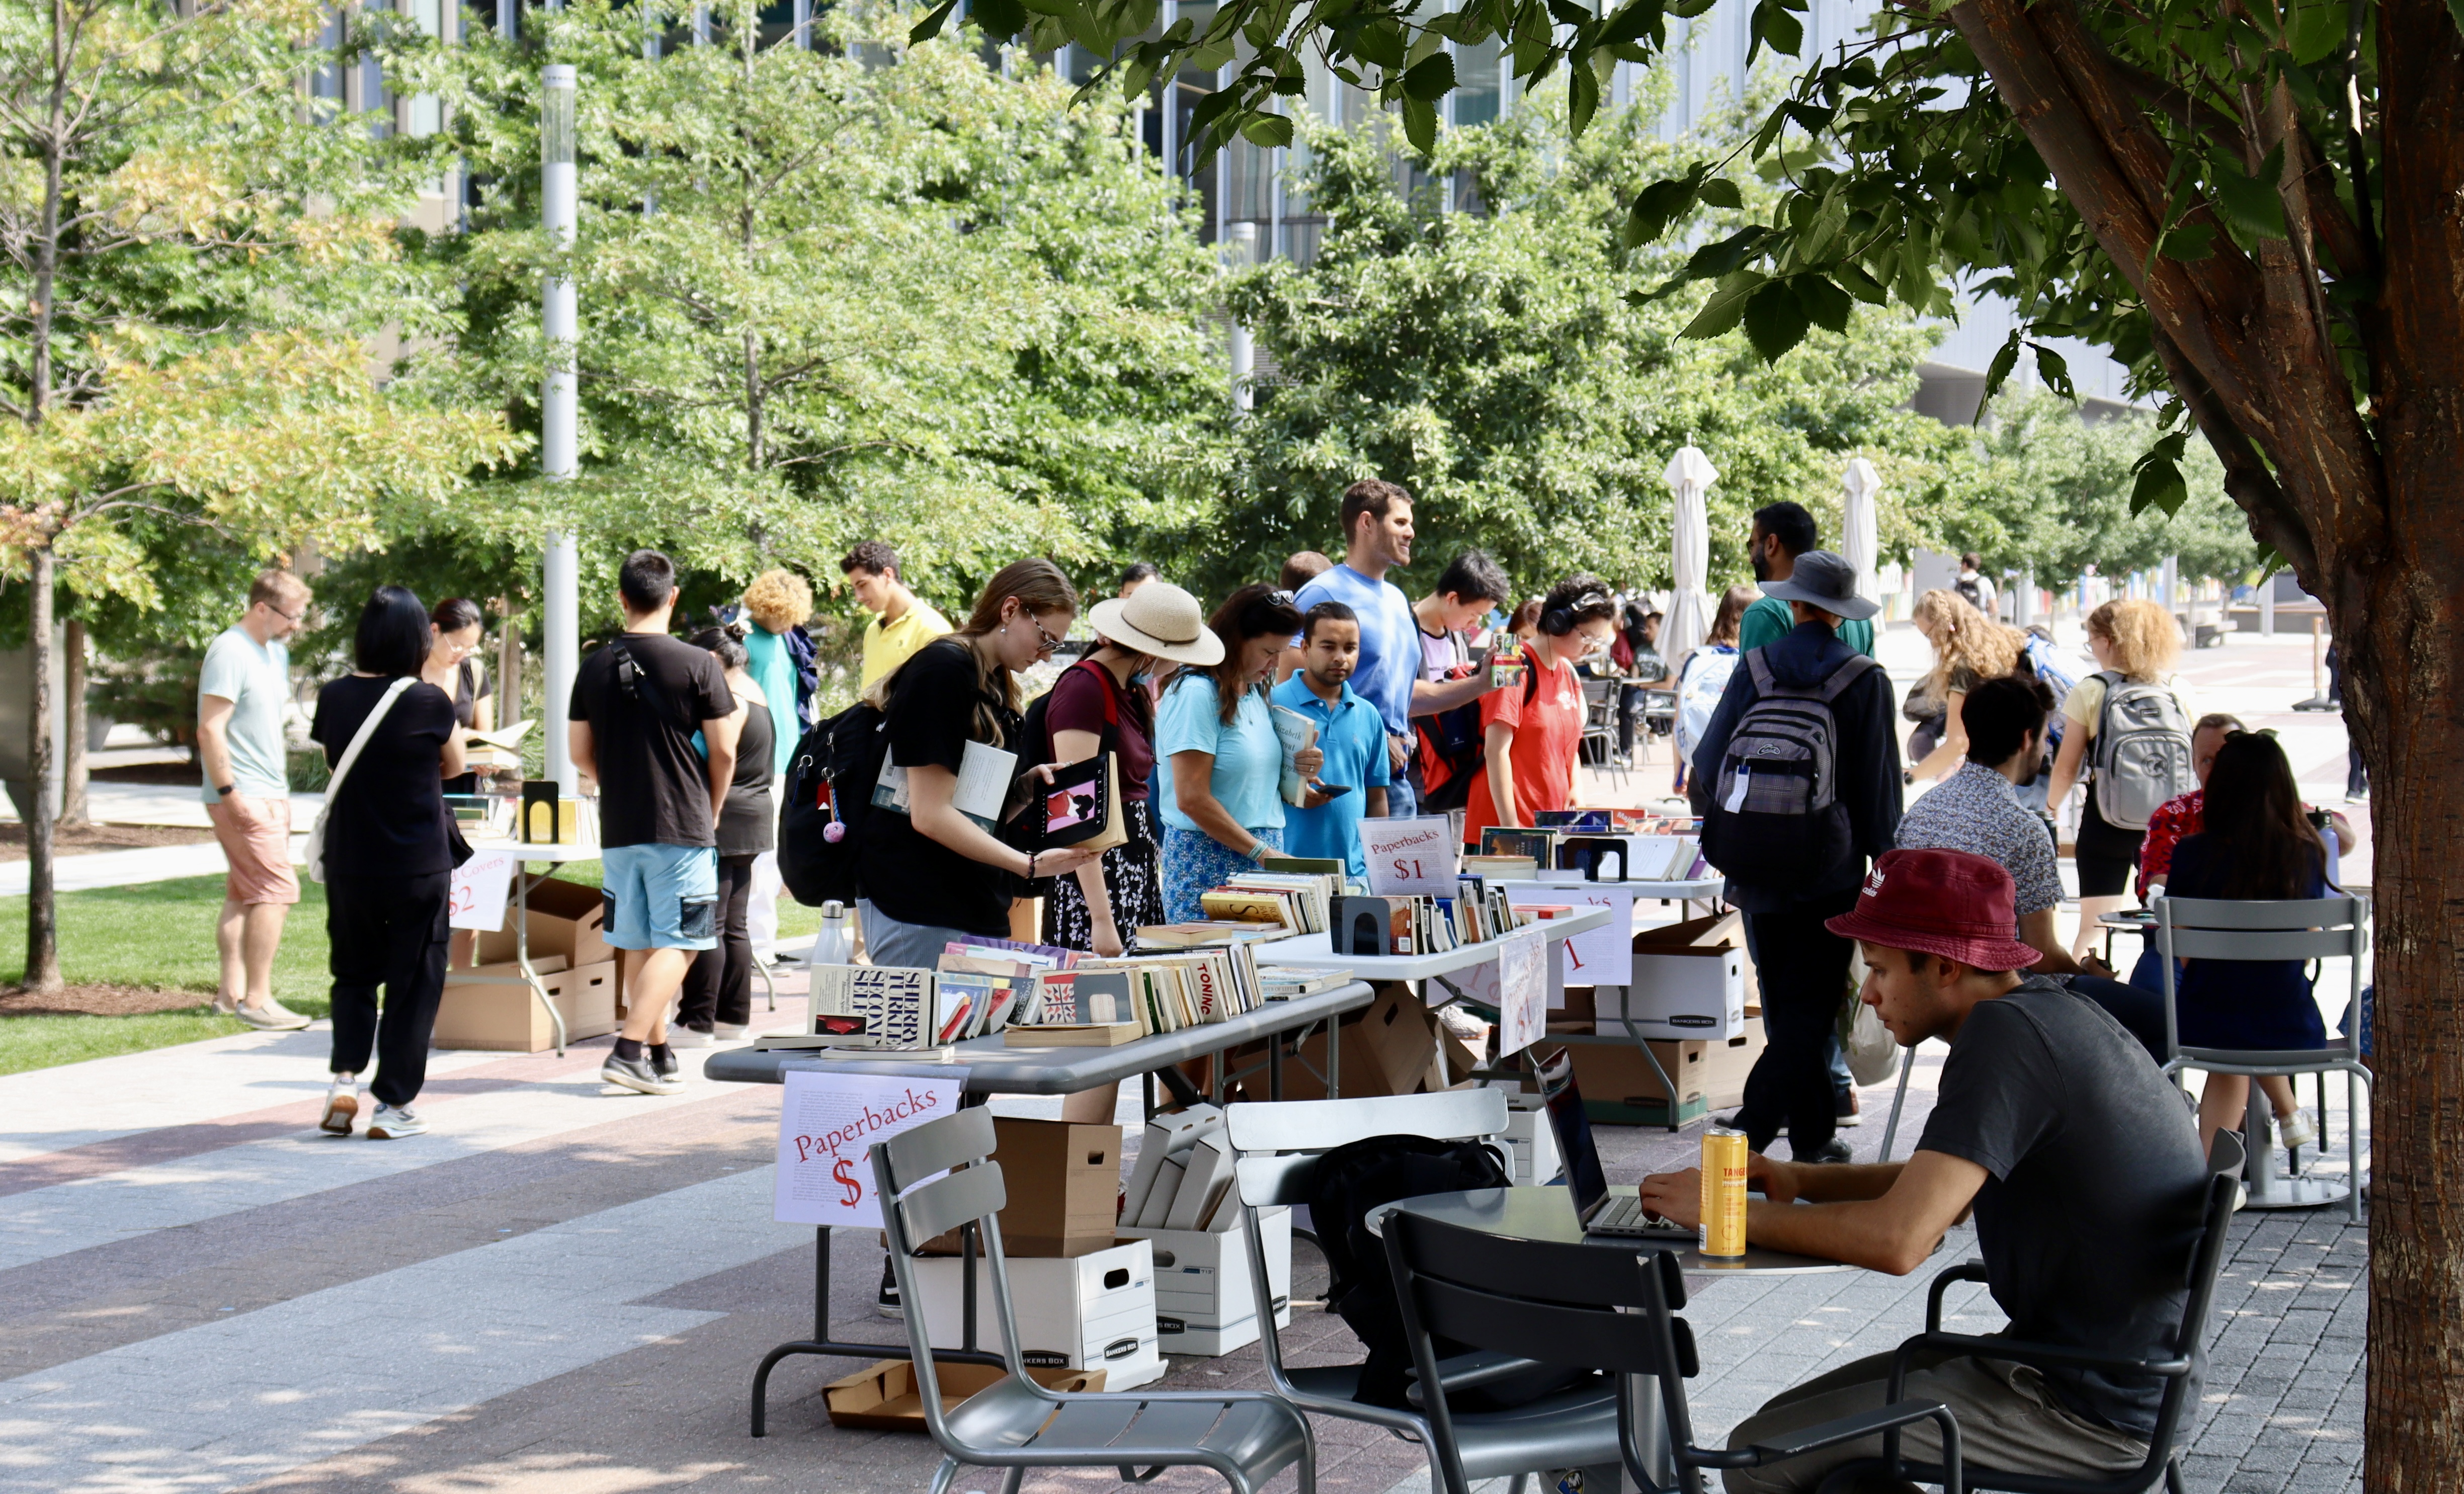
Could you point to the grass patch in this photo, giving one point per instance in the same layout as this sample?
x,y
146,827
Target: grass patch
x,y
45,1042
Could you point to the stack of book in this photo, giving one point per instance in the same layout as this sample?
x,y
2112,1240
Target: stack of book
x,y
1104,1002
1296,900
1184,1176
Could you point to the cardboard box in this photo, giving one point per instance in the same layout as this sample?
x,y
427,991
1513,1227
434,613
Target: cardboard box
x,y
1725,1065
566,917
883,1398
1531,1141
1087,1313
1065,1188
504,1016
1619,1089
1690,983
1206,1302
1390,1047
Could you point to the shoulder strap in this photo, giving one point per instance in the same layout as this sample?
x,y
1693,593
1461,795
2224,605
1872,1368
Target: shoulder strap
x,y
1111,688
1760,669
1845,675
360,738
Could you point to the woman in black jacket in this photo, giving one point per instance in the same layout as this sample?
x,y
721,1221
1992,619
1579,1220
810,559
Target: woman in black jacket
x,y
388,863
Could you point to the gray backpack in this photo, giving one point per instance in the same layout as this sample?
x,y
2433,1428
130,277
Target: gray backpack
x,y
2143,750
1775,815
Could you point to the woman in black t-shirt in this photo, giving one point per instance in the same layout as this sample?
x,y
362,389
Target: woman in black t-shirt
x,y
718,985
390,864
930,874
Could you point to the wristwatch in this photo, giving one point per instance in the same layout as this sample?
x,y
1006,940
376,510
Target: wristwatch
x,y
226,790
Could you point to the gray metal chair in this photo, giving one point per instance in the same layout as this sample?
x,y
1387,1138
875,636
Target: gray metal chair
x,y
1600,724
1248,1437
1279,1146
2302,929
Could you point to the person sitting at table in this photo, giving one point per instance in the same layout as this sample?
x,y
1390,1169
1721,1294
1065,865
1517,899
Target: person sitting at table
x,y
2076,1153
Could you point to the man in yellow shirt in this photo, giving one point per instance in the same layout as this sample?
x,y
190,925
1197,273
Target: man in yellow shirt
x,y
901,622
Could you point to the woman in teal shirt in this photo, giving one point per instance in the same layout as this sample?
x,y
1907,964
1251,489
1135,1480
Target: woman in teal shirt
x,y
1220,777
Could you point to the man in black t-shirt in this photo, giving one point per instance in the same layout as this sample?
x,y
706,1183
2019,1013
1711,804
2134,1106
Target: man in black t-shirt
x,y
2079,1159
637,703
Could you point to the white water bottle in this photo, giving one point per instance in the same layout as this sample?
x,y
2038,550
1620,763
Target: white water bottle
x,y
835,944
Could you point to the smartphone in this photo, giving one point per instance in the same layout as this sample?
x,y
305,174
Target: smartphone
x,y
1333,790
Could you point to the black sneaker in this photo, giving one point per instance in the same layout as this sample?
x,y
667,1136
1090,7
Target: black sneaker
x,y
637,1075
1833,1149
886,1302
663,1058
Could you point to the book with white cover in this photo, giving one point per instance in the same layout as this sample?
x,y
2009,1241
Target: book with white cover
x,y
1204,1177
1167,1187
985,773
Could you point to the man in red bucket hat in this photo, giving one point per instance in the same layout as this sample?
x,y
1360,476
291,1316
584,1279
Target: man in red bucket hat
x,y
2080,1161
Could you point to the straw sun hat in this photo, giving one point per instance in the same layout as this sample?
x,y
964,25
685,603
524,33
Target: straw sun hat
x,y
1158,618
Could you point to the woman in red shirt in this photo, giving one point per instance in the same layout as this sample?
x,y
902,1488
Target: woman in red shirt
x,y
1532,730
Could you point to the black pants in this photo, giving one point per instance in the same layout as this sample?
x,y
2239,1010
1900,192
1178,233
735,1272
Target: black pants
x,y
386,932
718,986
1803,970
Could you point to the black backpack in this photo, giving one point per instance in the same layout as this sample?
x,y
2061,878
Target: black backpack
x,y
829,784
1452,743
1353,1179
1774,814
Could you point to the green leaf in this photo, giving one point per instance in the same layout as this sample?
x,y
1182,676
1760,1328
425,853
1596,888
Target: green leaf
x,y
1633,21
999,17
1727,303
1826,306
1688,9
1728,255
1420,123
1381,42
930,27
1267,131
2249,202
2157,481
1771,24
2055,370
2005,359
2189,241
1862,286
1721,192
1582,99
1568,13
1431,79
1775,319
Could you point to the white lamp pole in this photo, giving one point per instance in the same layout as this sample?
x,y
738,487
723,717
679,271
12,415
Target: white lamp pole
x,y
559,414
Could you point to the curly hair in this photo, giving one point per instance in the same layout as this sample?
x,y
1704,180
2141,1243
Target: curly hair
x,y
779,599
1963,636
2146,639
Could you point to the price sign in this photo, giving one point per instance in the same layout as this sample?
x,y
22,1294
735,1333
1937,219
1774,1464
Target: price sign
x,y
476,898
1411,858
825,1123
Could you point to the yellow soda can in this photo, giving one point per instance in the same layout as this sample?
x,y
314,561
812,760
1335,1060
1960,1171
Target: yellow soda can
x,y
1723,1193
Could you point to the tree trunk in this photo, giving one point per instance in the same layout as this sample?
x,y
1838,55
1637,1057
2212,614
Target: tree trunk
x,y
42,912
73,768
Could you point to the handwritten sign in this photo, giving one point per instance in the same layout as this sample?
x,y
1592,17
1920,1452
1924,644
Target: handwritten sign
x,y
476,898
1523,960
826,1124
1411,858
1595,956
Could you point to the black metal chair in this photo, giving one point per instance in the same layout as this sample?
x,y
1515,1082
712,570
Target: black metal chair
x,y
1596,1308
2225,1159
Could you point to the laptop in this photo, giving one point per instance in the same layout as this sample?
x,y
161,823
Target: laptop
x,y
1602,1214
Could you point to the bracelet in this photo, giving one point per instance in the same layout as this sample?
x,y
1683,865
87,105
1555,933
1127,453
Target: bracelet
x,y
1030,863
1259,850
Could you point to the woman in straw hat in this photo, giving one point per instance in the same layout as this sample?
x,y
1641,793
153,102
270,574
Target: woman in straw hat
x,y
1098,705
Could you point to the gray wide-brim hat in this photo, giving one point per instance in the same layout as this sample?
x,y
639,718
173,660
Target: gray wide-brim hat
x,y
1823,580
1158,618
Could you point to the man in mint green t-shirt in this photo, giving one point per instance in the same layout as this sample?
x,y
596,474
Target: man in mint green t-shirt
x,y
1782,532
240,694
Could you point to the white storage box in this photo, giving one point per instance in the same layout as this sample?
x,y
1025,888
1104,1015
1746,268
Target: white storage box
x,y
1680,994
1530,1142
1205,1300
1084,1312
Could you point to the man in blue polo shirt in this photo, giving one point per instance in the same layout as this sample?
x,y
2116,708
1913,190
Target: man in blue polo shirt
x,y
1349,732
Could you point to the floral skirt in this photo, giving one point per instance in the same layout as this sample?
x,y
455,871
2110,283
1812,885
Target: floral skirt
x,y
1195,863
1131,876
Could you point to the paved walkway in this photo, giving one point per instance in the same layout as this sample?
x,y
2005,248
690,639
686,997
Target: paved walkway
x,y
565,1289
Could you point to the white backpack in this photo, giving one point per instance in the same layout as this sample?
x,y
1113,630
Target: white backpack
x,y
2142,750
1698,689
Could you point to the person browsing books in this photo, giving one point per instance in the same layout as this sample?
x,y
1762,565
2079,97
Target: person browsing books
x,y
1378,539
1097,706
1532,730
932,872
718,988
1351,738
1222,771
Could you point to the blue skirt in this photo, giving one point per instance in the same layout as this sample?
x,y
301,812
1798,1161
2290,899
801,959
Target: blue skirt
x,y
1196,864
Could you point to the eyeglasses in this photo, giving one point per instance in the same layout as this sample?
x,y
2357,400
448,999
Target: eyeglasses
x,y
288,617
1047,641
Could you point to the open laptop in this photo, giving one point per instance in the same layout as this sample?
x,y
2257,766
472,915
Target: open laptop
x,y
1601,1213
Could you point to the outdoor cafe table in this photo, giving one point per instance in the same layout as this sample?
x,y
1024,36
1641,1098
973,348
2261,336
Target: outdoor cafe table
x,y
986,1066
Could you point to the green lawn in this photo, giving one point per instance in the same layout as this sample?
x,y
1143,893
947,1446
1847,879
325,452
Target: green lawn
x,y
162,935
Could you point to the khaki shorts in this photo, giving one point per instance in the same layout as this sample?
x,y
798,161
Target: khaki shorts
x,y
255,837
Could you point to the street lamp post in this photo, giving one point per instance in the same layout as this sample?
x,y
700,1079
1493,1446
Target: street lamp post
x,y
559,414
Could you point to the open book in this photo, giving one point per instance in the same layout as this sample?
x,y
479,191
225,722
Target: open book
x,y
1299,734
504,738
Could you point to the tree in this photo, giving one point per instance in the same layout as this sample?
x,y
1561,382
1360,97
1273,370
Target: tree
x,y
2249,204
824,300
193,260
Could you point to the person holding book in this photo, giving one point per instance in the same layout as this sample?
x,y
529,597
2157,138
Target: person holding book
x,y
1097,707
1530,730
932,872
1222,776
1350,738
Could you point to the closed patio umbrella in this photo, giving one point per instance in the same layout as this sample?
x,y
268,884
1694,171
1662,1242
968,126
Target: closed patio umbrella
x,y
1860,532
1690,473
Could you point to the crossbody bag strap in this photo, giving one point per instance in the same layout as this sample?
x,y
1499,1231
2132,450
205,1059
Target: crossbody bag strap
x,y
360,738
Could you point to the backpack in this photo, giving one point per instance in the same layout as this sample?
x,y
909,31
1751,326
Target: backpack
x,y
2143,750
1971,591
1774,815
2052,666
1350,1182
829,788
1449,744
1035,749
1698,689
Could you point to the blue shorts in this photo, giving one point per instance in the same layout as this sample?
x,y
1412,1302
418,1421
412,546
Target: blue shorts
x,y
661,897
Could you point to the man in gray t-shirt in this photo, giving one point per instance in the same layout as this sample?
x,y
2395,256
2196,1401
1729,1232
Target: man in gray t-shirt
x,y
2080,1161
240,694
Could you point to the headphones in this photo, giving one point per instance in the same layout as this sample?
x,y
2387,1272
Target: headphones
x,y
1558,621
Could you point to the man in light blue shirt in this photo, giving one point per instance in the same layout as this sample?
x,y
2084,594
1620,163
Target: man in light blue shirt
x,y
1350,733
241,690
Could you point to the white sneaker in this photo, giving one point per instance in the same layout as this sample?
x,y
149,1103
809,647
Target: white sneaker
x,y
272,1016
392,1123
688,1037
342,1107
2296,1130
729,1031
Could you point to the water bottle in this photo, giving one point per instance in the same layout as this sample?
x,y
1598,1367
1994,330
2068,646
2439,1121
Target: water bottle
x,y
835,944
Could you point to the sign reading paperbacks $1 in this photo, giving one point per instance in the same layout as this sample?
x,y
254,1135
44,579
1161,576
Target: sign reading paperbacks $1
x,y
826,1124
1411,858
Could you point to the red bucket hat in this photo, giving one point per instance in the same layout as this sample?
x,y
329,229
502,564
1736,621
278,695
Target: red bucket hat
x,y
1942,902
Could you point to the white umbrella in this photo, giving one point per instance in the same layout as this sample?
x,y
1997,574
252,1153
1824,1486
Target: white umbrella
x,y
1688,621
1860,532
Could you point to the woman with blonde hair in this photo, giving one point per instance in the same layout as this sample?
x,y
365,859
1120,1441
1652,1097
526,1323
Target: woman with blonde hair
x,y
1969,648
777,605
2135,643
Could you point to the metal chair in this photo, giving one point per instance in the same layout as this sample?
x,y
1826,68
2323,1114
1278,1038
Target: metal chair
x,y
1596,1308
2224,1195
1600,723
1248,1437
1279,1146
2304,929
